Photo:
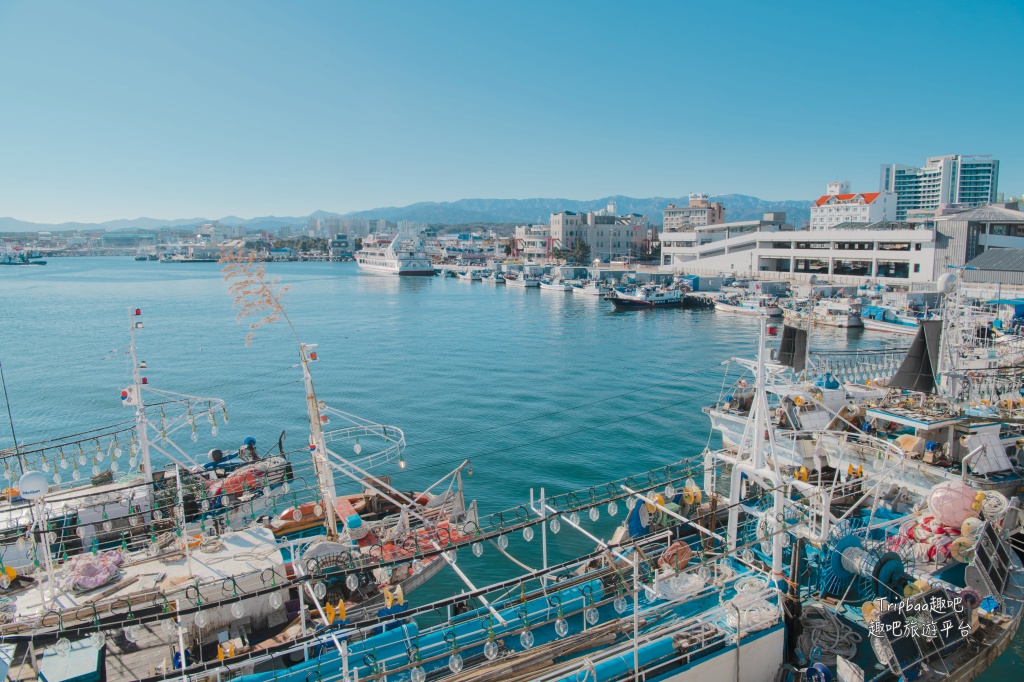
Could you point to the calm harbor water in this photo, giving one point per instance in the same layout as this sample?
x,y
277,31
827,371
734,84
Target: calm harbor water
x,y
537,388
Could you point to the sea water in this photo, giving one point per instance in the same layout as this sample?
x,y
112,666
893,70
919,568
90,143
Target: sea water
x,y
536,388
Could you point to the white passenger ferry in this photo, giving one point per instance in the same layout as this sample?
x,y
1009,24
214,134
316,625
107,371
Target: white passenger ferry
x,y
394,256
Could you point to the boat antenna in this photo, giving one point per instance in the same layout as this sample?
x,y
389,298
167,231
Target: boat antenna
x,y
10,418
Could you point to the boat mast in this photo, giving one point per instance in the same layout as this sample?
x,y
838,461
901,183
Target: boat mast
x,y
141,425
317,445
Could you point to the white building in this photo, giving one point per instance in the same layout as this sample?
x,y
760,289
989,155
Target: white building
x,y
950,179
699,212
533,242
886,252
838,205
610,236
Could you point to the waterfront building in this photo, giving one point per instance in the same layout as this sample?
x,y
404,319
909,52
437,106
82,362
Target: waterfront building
x,y
533,242
838,205
972,232
699,212
770,247
127,239
609,235
950,179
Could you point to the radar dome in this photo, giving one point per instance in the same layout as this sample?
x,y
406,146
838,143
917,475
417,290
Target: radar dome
x,y
945,282
33,485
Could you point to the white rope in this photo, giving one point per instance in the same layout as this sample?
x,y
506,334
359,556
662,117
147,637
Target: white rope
x,y
823,630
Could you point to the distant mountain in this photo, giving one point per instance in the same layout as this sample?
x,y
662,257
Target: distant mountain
x,y
463,211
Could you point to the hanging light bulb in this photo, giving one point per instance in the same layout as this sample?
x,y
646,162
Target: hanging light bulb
x,y
63,646
526,639
131,633
478,549
56,479
574,518
455,662
593,615
352,581
401,462
418,674
555,525
619,605
201,619
275,601
237,610
528,533
502,541
170,628
98,639
613,508
320,590
561,627
594,513
491,650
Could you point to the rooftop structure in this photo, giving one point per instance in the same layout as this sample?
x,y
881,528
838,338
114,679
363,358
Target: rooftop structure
x,y
839,206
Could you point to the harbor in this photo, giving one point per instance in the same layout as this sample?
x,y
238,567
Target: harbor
x,y
580,424
431,343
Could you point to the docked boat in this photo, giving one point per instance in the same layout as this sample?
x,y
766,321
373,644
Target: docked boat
x,y
843,313
648,297
523,281
395,255
555,284
591,288
470,275
493,277
882,318
759,305
17,256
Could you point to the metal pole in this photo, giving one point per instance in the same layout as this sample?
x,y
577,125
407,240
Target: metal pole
x,y
636,620
181,517
181,640
10,419
543,531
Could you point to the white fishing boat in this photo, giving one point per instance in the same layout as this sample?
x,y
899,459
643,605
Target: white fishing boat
x,y
470,275
883,318
591,288
395,255
523,282
648,297
494,277
555,284
760,305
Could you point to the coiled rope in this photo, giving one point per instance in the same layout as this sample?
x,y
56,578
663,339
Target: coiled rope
x,y
823,630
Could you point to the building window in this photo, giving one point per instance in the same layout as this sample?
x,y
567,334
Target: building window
x,y
917,247
917,267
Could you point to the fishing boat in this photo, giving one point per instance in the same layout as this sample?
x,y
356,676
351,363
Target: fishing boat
x,y
494,277
18,256
882,318
590,288
648,297
881,566
394,255
760,305
470,275
555,284
829,312
523,281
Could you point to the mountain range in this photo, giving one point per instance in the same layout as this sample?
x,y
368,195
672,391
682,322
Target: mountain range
x,y
463,211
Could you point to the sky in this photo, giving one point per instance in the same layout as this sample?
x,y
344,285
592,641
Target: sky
x,y
197,109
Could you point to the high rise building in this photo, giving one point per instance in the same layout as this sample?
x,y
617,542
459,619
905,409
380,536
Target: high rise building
x,y
949,179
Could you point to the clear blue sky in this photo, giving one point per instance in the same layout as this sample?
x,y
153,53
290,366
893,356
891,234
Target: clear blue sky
x,y
181,109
